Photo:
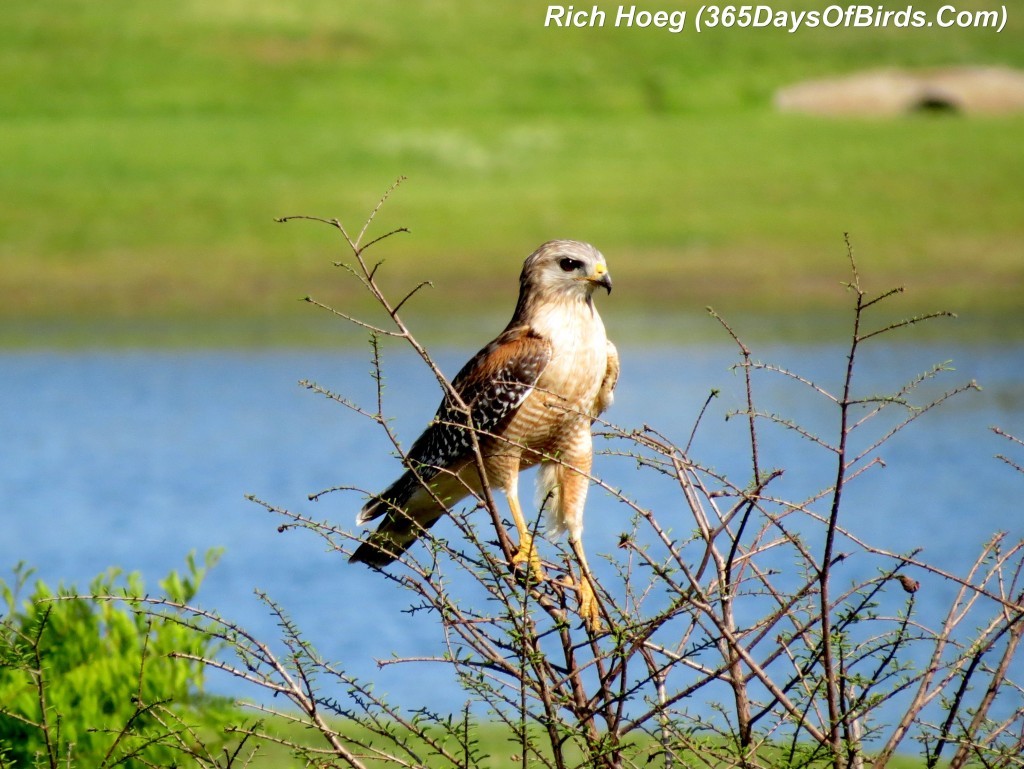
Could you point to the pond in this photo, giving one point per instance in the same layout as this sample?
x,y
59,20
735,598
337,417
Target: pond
x,y
134,458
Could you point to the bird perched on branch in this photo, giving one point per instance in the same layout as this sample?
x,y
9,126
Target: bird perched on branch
x,y
529,397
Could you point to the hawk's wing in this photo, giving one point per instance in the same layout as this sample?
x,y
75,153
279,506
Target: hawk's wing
x,y
606,394
492,385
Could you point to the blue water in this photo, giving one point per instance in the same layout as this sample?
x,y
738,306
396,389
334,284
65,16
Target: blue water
x,y
135,458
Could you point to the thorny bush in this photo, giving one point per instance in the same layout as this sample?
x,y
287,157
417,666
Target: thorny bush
x,y
733,636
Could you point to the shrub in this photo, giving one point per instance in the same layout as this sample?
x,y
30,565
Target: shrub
x,y
734,635
91,681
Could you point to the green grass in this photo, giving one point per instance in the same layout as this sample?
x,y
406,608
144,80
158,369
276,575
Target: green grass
x,y
496,748
146,148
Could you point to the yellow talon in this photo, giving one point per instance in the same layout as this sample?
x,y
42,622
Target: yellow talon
x,y
590,609
525,556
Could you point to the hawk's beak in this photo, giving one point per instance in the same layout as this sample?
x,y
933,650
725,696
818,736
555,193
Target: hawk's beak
x,y
601,277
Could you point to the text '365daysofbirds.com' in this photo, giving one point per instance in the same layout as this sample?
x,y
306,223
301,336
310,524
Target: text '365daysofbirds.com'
x,y
707,17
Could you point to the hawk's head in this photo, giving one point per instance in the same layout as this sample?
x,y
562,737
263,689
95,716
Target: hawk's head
x,y
565,269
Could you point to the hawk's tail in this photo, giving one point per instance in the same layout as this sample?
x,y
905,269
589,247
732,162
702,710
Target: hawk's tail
x,y
408,510
396,533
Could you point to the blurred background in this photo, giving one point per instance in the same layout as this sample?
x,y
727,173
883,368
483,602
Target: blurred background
x,y
146,148
152,327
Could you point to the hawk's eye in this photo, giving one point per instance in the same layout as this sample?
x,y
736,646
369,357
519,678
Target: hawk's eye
x,y
568,265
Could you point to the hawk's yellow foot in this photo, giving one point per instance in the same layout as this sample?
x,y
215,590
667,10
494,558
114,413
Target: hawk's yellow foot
x,y
590,609
526,557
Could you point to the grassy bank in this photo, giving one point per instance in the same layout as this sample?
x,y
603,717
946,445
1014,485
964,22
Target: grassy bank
x,y
145,150
495,746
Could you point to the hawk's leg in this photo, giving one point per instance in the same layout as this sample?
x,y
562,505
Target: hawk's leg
x,y
569,487
590,609
527,553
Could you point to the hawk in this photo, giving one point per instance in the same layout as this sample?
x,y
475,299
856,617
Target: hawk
x,y
531,396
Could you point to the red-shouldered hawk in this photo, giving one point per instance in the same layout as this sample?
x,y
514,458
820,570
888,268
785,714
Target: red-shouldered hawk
x,y
532,394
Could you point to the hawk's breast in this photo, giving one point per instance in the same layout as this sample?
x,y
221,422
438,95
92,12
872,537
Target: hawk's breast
x,y
565,392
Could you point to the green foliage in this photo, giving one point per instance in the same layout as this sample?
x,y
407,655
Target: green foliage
x,y
98,677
